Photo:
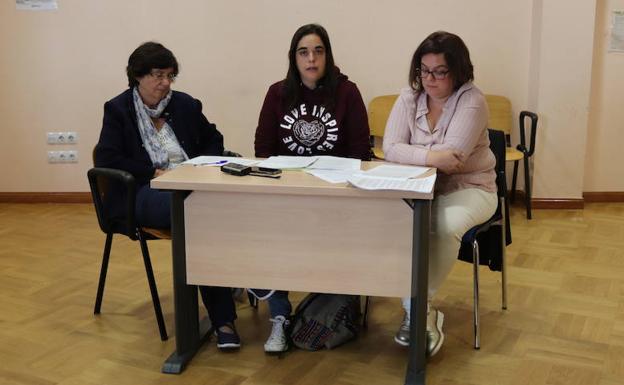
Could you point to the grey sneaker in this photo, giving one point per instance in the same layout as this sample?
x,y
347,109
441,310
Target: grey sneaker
x,y
435,335
402,336
277,343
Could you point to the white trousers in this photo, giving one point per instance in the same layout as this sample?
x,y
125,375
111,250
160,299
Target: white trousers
x,y
451,216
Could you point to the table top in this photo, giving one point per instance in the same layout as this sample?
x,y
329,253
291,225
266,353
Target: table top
x,y
293,182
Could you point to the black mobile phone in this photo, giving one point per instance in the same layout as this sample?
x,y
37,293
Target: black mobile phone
x,y
236,169
266,172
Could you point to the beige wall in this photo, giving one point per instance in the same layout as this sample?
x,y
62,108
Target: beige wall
x,y
59,67
603,170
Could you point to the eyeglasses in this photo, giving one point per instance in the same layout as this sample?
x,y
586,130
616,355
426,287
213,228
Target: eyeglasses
x,y
316,52
160,76
437,74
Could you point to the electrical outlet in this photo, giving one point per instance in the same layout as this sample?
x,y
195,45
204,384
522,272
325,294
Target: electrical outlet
x,y
63,156
53,137
69,137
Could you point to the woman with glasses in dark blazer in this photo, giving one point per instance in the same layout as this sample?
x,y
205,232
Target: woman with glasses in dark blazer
x,y
149,129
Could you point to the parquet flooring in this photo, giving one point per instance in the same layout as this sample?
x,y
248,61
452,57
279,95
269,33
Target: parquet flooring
x,y
565,323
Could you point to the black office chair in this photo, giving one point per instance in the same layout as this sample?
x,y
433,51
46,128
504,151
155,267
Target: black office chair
x,y
485,244
100,179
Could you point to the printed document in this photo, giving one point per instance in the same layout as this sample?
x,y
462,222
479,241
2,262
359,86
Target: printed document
x,y
325,162
284,162
365,182
206,160
396,171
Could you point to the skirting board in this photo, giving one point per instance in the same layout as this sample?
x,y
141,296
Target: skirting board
x,y
555,203
45,197
604,196
85,197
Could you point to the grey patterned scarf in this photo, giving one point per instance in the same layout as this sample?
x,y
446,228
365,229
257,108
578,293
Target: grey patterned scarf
x,y
157,152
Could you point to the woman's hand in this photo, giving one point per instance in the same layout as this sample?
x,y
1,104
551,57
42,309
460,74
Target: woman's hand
x,y
447,161
159,171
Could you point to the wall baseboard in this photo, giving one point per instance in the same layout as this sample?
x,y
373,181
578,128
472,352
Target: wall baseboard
x,y
556,203
541,203
603,196
45,197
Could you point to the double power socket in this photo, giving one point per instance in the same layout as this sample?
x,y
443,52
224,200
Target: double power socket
x,y
64,156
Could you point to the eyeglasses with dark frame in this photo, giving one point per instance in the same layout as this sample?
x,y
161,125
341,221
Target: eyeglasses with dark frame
x,y
161,75
438,74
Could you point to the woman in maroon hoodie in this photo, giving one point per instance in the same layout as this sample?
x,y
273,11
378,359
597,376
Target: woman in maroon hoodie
x,y
314,111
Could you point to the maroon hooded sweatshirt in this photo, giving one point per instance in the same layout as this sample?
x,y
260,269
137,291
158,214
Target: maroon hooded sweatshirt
x,y
312,127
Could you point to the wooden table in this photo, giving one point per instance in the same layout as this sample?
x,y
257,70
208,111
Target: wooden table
x,y
294,233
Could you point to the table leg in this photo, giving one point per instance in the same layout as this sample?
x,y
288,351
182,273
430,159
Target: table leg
x,y
418,315
187,329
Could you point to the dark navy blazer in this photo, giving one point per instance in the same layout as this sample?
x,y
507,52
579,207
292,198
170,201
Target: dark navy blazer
x,y
120,145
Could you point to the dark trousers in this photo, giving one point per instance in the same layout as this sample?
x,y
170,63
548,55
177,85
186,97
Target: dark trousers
x,y
153,209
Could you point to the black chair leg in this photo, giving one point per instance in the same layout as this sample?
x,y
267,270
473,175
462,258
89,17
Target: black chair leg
x,y
527,187
476,317
513,182
365,315
154,291
103,270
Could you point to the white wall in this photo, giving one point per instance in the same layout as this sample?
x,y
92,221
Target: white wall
x,y
605,135
61,66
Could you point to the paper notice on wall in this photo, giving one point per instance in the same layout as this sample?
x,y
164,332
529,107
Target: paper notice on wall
x,y
616,43
36,5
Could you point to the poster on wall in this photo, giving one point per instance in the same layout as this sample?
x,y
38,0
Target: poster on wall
x,y
36,5
616,43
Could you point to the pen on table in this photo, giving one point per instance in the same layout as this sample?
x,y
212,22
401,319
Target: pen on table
x,y
217,163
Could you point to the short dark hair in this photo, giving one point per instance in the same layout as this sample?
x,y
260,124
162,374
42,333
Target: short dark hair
x,y
455,53
146,57
293,77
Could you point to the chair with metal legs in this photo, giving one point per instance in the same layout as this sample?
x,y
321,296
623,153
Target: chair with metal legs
x,y
100,180
485,244
501,119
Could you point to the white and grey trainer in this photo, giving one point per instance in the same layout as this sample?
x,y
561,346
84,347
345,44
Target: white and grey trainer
x,y
277,341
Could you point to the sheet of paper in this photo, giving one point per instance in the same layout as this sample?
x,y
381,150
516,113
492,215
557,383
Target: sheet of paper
x,y
616,43
395,171
287,162
36,5
335,163
423,185
211,160
333,176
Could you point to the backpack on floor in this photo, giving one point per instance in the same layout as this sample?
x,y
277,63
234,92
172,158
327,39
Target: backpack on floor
x,y
325,321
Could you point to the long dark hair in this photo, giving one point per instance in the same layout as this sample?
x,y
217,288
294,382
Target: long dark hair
x,y
329,81
455,53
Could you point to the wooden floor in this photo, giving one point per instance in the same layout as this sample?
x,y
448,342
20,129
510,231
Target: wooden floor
x,y
565,323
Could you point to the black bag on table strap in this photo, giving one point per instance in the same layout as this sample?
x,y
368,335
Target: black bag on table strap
x,y
325,321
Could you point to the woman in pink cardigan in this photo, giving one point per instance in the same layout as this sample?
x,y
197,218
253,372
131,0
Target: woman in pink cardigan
x,y
441,121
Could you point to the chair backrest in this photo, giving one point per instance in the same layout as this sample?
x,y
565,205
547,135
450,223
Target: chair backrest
x,y
378,111
101,180
500,113
497,145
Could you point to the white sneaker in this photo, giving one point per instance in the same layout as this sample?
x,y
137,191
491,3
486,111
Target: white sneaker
x,y
277,342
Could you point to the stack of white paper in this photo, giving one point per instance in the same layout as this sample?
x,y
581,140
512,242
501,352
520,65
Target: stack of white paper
x,y
206,160
423,185
283,162
397,171
335,163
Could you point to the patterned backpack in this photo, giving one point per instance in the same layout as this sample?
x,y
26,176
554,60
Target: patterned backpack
x,y
325,321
